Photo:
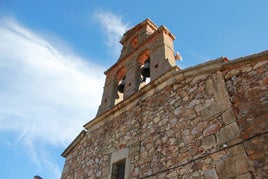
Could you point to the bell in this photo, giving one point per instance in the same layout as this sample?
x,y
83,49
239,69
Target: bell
x,y
145,69
121,85
143,79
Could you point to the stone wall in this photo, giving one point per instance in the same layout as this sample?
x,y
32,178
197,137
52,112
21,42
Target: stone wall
x,y
208,121
247,85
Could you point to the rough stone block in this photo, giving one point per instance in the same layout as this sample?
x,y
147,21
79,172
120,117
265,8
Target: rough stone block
x,y
172,174
231,73
208,142
211,129
106,171
236,149
198,78
232,166
244,176
214,109
228,117
260,64
219,87
228,134
211,174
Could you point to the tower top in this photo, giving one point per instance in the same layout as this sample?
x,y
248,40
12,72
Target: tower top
x,y
133,31
139,35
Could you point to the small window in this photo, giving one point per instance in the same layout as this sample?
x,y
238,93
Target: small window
x,y
119,169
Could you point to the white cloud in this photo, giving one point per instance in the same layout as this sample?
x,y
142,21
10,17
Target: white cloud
x,y
114,28
46,95
200,57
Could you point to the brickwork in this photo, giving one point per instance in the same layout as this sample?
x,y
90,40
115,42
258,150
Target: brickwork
x,y
207,121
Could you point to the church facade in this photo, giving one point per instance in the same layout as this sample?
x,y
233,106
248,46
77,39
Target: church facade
x,y
159,121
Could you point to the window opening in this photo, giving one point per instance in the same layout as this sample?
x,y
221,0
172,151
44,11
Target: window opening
x,y
119,170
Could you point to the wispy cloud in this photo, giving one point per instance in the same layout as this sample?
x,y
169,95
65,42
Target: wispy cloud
x,y
46,95
199,56
114,28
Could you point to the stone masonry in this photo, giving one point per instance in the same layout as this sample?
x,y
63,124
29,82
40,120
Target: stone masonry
x,y
207,121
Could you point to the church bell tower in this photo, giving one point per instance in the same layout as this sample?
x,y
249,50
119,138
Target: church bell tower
x,y
147,54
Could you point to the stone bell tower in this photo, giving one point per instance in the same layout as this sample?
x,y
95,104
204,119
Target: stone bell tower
x,y
147,54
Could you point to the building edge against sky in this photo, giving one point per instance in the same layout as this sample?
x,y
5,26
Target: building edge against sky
x,y
207,120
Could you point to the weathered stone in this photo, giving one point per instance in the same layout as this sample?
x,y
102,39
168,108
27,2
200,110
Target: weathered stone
x,y
208,142
211,174
244,176
236,149
231,73
211,129
214,109
162,122
258,164
198,78
219,155
228,117
219,87
265,81
188,139
156,119
246,69
233,165
174,121
260,64
177,111
228,133
172,148
188,112
172,141
196,166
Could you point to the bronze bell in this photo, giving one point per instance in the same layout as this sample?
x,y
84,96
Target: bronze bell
x,y
145,69
121,85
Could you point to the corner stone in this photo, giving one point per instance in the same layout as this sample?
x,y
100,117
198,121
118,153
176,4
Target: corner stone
x,y
228,134
233,165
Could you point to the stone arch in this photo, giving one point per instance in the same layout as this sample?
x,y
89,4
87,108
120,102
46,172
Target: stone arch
x,y
142,59
121,73
143,56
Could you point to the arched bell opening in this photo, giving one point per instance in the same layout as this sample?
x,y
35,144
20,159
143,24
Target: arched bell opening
x,y
120,84
145,72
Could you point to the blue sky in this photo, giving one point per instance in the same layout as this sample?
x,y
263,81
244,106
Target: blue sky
x,y
53,55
